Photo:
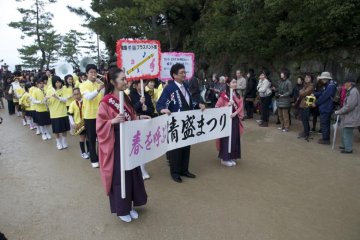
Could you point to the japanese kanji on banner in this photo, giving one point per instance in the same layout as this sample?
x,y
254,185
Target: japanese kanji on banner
x,y
170,58
146,140
139,58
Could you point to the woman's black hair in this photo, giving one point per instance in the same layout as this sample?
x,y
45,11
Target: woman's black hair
x,y
286,72
27,86
251,72
44,78
76,89
132,87
263,72
228,81
56,79
40,80
112,75
90,66
6,83
66,81
311,77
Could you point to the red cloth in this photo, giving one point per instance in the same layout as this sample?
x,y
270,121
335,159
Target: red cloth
x,y
223,101
342,95
106,138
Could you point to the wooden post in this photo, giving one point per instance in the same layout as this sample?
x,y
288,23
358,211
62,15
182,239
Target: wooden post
x,y
230,129
122,155
142,88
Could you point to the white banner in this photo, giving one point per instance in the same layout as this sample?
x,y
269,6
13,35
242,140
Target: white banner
x,y
146,140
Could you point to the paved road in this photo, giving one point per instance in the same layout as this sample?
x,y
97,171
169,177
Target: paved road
x,y
283,189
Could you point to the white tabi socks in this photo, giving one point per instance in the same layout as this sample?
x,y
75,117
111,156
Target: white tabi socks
x,y
58,144
38,132
47,132
63,142
145,174
43,133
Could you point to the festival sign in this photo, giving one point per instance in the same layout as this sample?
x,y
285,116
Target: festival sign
x,y
168,59
139,58
146,140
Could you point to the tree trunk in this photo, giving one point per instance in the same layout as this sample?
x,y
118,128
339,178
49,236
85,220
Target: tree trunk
x,y
168,33
48,62
154,27
43,56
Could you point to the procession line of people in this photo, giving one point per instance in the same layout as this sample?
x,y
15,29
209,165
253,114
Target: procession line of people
x,y
90,108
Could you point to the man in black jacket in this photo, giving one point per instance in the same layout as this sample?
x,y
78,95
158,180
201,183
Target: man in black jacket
x,y
250,94
194,88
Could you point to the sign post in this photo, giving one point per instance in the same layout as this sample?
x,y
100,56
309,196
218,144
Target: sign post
x,y
230,128
122,155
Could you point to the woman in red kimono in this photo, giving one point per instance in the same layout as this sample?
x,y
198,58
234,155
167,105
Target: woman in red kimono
x,y
107,129
222,144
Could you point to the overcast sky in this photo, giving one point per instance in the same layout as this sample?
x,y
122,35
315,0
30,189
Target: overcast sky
x,y
10,40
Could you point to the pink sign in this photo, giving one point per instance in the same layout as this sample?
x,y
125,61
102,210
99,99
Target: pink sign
x,y
168,59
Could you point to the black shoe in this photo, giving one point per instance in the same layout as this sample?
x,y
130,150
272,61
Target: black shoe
x,y
188,174
301,135
342,148
176,178
346,152
324,142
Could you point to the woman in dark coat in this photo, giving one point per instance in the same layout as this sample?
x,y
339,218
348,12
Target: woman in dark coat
x,y
9,96
250,94
142,105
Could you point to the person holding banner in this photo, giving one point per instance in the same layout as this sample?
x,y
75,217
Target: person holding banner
x,y
222,144
108,132
177,98
151,90
143,106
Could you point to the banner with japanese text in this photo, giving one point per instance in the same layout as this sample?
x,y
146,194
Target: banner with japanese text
x,y
168,59
146,140
139,58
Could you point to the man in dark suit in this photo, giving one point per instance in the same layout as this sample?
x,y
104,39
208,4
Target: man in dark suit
x,y
169,102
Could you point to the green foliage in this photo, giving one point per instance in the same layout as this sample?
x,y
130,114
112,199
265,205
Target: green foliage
x,y
52,45
36,24
71,49
266,30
